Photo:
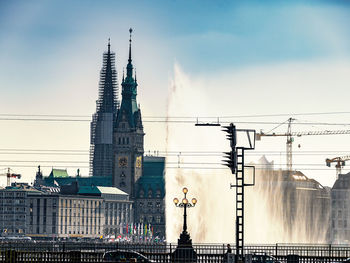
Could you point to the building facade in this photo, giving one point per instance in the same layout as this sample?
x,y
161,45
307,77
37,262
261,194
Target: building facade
x,y
300,206
89,212
14,210
340,225
150,195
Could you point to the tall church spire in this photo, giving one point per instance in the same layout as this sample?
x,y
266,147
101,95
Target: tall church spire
x,y
129,67
129,107
101,150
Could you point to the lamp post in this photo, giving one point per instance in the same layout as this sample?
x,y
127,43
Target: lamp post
x,y
184,250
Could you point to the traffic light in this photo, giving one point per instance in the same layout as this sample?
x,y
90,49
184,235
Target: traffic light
x,y
231,135
231,160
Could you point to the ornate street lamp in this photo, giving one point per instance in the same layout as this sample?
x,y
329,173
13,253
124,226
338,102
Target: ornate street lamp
x,y
184,250
185,204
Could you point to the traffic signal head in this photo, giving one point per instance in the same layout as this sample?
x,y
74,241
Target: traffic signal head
x,y
231,135
231,160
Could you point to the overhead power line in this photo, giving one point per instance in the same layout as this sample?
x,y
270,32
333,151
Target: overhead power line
x,y
167,167
72,152
183,117
168,120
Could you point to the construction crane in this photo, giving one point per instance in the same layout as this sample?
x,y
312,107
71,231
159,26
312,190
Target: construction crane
x,y
340,163
289,134
10,175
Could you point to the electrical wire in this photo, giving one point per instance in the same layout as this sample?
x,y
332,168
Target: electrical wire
x,y
166,120
166,167
184,117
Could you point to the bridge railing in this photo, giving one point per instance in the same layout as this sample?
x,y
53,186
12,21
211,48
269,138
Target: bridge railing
x,y
205,253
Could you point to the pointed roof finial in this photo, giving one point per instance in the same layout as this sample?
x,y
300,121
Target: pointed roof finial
x,y
109,45
135,76
123,74
130,31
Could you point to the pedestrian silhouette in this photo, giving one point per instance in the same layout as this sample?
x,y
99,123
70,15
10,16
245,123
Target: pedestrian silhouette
x,y
229,250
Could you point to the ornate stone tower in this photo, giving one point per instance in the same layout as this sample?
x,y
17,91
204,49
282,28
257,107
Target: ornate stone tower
x,y
101,149
128,135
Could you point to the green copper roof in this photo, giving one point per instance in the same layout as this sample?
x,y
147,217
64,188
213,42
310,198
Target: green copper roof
x,y
153,176
82,181
88,190
129,110
59,173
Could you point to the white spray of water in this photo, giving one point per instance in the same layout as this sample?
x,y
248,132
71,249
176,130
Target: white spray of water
x,y
212,220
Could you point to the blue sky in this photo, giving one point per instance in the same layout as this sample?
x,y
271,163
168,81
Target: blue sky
x,y
203,35
257,51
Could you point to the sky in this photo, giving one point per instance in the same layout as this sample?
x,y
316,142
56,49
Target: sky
x,y
194,60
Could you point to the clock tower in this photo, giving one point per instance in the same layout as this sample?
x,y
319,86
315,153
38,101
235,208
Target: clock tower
x,y
128,135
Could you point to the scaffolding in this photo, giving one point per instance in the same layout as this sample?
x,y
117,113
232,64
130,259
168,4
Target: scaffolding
x,y
101,129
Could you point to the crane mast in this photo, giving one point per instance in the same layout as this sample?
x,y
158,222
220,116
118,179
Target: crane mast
x,y
10,175
340,163
289,145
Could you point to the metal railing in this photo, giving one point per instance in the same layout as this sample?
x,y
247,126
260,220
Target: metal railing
x,y
160,252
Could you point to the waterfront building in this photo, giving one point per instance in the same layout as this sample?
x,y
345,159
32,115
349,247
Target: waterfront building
x,y
14,207
150,195
299,204
85,211
340,224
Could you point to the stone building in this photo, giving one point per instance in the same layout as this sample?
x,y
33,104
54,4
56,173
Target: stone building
x,y
150,195
128,135
85,211
340,224
299,205
14,210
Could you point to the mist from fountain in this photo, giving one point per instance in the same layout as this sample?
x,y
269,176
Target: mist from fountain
x,y
277,209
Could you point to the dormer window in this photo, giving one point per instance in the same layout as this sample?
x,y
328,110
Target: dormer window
x,y
142,193
149,193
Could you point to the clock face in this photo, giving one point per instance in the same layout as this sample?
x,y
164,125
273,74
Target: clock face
x,y
138,162
123,161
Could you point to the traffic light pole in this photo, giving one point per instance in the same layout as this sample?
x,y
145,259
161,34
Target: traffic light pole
x,y
236,163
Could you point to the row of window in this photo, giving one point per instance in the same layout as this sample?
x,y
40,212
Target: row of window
x,y
150,193
151,219
11,194
123,140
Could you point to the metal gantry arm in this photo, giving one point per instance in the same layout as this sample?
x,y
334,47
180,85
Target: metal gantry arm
x,y
237,166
